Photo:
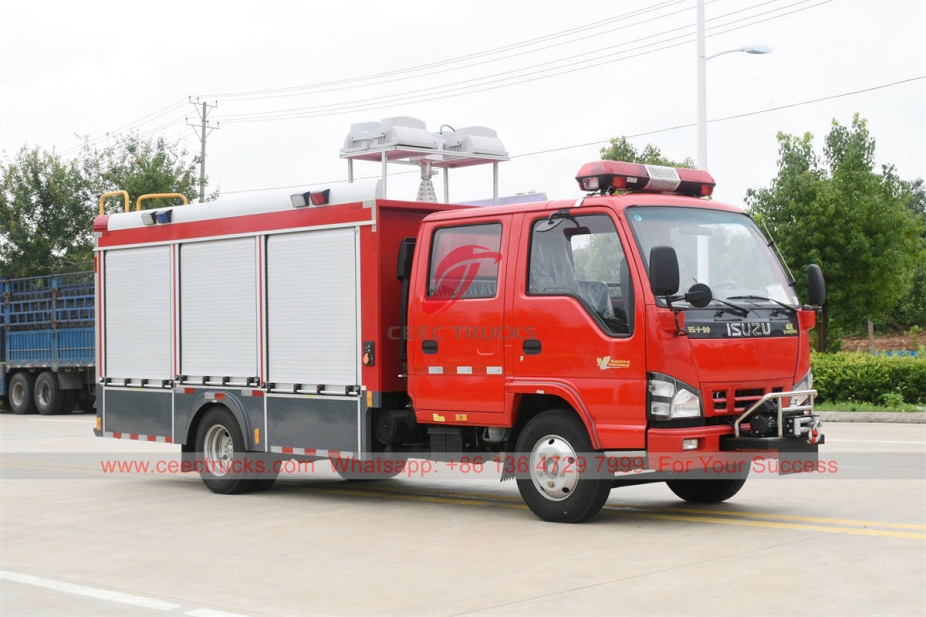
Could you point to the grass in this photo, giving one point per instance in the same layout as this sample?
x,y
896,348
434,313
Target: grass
x,y
859,406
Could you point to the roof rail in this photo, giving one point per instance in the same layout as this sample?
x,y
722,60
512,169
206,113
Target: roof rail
x,y
125,196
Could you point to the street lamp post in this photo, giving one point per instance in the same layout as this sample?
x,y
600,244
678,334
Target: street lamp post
x,y
702,82
703,268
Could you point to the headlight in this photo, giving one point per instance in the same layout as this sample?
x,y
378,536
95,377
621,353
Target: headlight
x,y
804,384
670,399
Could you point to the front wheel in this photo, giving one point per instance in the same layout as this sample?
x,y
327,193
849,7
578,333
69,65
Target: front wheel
x,y
219,453
706,491
559,486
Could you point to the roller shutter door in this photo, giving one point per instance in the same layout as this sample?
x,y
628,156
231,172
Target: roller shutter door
x,y
218,309
312,308
138,313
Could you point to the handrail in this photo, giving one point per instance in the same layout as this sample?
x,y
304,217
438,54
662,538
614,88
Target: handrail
x,y
160,196
125,196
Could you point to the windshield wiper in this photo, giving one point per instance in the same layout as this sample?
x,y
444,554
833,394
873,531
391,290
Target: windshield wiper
x,y
742,311
793,309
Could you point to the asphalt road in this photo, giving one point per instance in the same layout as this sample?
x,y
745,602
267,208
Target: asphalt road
x,y
76,541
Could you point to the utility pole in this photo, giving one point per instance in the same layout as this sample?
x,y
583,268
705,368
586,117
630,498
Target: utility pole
x,y
202,131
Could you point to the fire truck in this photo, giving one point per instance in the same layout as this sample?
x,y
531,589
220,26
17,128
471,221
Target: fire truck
x,y
636,319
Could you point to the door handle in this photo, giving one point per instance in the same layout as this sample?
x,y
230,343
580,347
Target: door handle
x,y
429,347
531,347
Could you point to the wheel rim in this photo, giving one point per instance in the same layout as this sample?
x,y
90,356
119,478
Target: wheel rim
x,y
43,395
554,468
219,450
18,394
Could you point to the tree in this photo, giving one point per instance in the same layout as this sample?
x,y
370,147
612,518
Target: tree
x,y
846,218
911,310
45,220
622,150
142,166
47,204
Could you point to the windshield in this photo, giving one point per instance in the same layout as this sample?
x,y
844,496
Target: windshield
x,y
724,250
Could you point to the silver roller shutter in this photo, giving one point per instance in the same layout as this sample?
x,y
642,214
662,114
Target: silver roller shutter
x,y
218,309
312,308
138,313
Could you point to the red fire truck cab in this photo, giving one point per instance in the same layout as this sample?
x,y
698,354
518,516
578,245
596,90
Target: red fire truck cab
x,y
640,321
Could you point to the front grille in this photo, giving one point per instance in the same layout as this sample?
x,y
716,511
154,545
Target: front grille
x,y
742,399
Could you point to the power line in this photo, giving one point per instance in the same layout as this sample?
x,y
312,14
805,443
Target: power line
x,y
537,40
137,123
384,81
733,117
643,134
442,92
496,50
462,90
485,77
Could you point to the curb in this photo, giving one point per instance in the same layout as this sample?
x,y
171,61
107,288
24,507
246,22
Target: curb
x,y
893,417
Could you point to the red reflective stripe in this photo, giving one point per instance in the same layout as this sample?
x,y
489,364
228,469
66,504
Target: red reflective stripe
x,y
334,453
152,437
219,396
189,390
257,392
134,436
117,435
287,450
168,440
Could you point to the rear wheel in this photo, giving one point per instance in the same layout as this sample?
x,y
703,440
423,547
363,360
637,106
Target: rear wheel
x,y
560,486
49,398
219,453
86,401
70,401
22,393
706,491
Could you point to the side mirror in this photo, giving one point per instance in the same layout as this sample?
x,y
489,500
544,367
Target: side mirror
x,y
663,270
699,295
817,291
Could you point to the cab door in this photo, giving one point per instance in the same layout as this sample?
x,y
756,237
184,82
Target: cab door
x,y
457,318
580,321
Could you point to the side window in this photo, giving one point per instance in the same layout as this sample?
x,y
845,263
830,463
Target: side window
x,y
464,262
582,257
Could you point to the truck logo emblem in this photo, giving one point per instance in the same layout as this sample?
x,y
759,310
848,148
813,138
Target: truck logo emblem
x,y
607,362
456,273
756,328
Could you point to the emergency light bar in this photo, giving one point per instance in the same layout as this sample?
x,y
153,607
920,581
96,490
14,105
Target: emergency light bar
x,y
610,176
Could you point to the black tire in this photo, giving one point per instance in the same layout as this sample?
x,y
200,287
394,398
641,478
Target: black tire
x,y
706,491
576,494
70,401
21,396
262,484
49,397
86,401
219,442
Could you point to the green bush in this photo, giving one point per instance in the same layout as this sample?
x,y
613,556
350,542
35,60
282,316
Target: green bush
x,y
872,379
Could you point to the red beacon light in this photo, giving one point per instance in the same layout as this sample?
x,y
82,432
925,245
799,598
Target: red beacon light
x,y
610,176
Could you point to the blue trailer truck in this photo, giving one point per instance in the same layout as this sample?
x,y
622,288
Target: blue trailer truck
x,y
47,352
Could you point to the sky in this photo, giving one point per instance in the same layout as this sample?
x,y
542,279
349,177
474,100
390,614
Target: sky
x,y
555,79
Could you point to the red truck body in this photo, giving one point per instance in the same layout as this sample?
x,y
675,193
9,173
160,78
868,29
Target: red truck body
x,y
498,331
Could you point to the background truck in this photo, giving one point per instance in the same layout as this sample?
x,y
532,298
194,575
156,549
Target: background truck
x,y
549,338
47,351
